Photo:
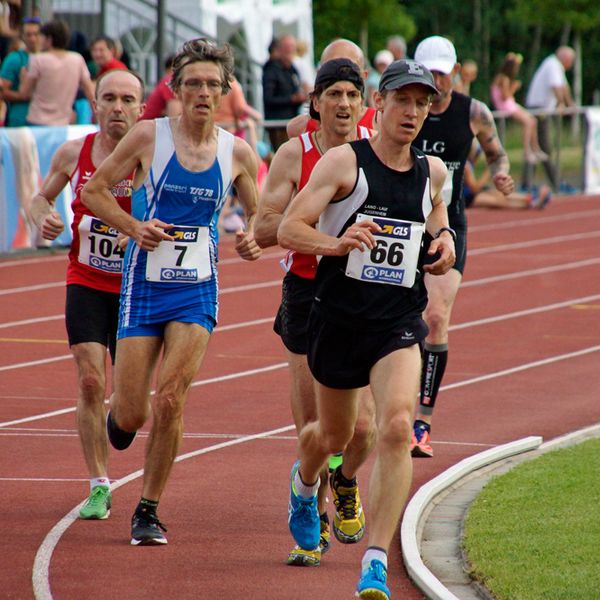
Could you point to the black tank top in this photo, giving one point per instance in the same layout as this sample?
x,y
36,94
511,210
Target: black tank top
x,y
379,192
449,137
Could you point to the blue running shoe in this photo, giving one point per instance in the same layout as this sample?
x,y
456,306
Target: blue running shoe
x,y
303,517
372,584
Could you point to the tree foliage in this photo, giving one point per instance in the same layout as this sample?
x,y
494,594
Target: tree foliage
x,y
483,30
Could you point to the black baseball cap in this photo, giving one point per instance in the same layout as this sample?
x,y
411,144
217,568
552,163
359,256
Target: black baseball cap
x,y
406,72
332,71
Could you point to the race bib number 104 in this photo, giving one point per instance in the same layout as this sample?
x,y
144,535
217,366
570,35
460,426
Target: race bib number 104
x,y
394,258
98,246
186,259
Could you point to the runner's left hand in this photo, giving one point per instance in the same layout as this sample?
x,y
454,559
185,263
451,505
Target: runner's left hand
x,y
245,245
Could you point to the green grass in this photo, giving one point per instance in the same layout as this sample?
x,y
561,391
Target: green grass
x,y
534,533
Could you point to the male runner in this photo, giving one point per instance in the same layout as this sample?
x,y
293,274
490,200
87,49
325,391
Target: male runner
x,y
341,48
184,169
448,131
95,266
372,199
336,102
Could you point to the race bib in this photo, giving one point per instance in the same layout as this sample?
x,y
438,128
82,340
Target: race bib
x,y
186,259
98,246
395,257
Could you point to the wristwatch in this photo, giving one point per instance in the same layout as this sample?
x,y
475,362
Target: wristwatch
x,y
449,230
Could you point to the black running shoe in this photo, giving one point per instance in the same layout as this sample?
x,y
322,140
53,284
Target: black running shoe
x,y
118,438
146,530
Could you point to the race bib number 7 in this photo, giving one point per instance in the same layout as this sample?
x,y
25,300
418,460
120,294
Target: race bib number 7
x,y
394,258
186,259
98,246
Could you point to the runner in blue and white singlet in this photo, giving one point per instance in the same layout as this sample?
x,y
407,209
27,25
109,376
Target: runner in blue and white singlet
x,y
184,168
178,281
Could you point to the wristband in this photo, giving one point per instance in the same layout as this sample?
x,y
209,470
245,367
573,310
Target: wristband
x,y
449,230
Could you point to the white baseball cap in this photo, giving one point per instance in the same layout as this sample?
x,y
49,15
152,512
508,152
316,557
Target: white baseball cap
x,y
437,54
383,57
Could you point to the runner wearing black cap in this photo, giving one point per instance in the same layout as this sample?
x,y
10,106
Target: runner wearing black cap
x,y
372,199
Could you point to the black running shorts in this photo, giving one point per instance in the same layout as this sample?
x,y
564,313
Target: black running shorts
x,y
342,357
92,316
291,322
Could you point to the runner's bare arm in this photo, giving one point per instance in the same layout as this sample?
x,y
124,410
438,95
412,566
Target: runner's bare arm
x,y
134,152
280,186
333,177
244,179
41,212
484,128
297,126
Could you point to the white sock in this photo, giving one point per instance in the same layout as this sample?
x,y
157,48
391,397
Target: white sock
x,y
96,481
373,553
303,490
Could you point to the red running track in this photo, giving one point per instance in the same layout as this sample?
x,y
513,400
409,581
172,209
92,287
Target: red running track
x,y
524,351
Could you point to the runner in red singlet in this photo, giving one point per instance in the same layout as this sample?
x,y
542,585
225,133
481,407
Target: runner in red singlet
x,y
94,269
336,102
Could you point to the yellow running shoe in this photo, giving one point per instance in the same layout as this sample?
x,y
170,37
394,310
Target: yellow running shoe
x,y
349,519
312,558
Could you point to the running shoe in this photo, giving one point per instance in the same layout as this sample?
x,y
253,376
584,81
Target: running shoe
x,y
325,541
335,460
303,516
146,530
349,518
420,447
312,558
98,504
118,438
372,584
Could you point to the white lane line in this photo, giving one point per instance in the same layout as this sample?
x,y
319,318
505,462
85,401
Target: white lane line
x,y
574,216
218,379
525,313
41,564
559,239
578,264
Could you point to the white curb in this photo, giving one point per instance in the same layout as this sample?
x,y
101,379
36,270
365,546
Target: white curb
x,y
423,578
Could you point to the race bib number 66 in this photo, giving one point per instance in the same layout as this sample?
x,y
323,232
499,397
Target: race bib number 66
x,y
394,258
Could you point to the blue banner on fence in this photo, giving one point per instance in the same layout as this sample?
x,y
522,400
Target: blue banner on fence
x,y
26,155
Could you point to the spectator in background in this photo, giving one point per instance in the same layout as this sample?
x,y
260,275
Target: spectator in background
x,y
396,44
8,31
380,63
162,102
282,94
549,90
478,193
104,54
304,66
53,77
467,75
504,86
83,109
10,72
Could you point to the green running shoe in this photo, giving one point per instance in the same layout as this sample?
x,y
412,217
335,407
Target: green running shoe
x,y
98,504
335,460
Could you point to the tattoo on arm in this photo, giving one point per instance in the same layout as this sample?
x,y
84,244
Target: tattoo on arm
x,y
484,128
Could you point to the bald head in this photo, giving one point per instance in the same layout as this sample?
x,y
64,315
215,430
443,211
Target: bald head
x,y
344,49
120,77
566,55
